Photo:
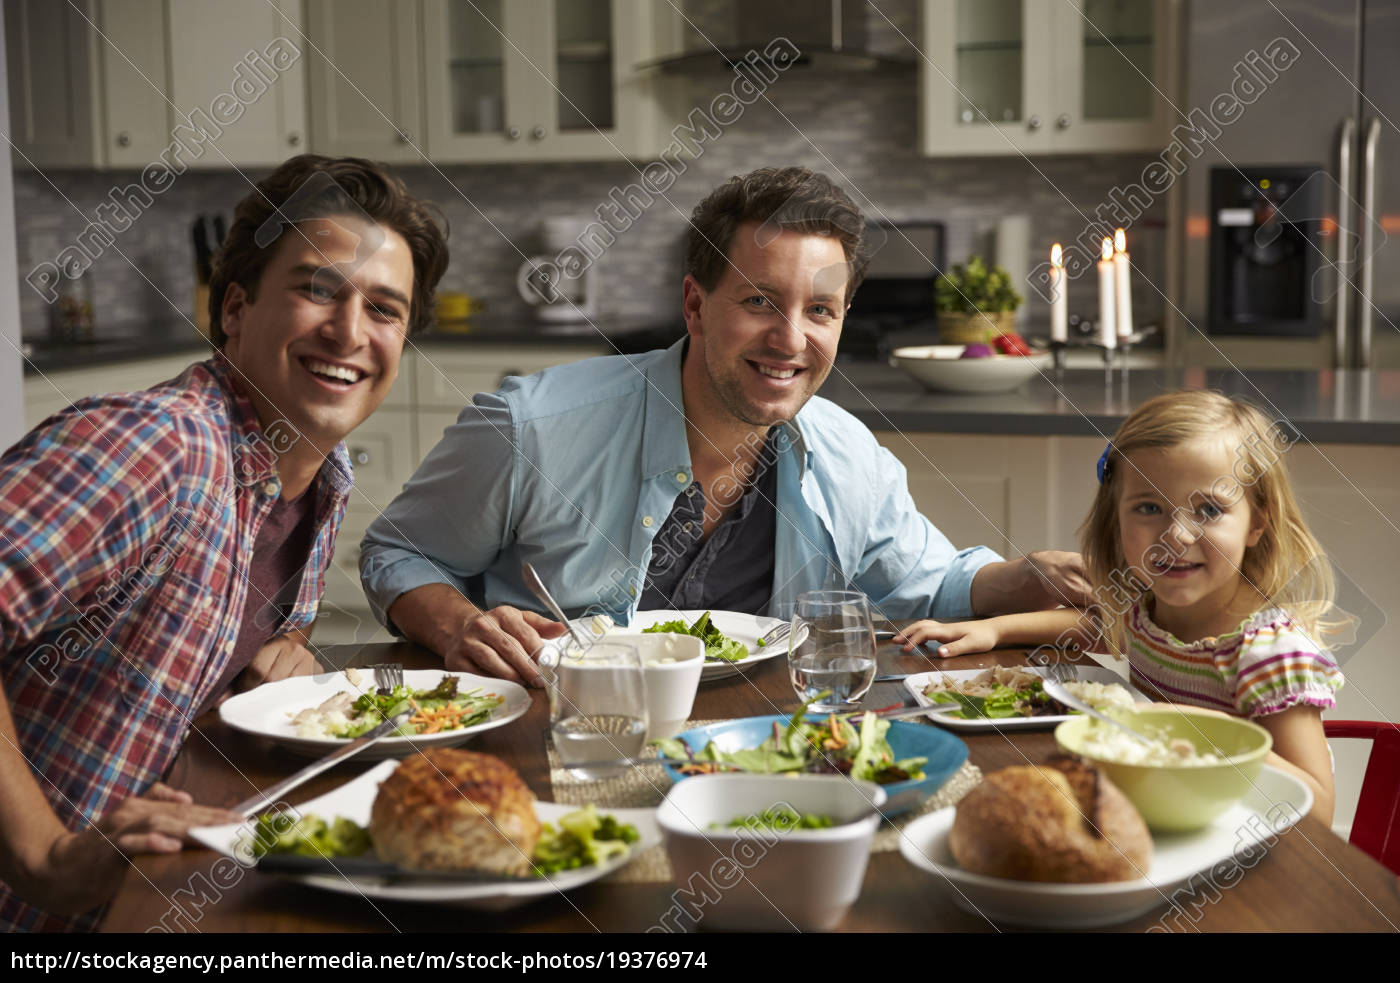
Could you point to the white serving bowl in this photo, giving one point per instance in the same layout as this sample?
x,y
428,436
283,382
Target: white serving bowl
x,y
766,881
671,685
942,369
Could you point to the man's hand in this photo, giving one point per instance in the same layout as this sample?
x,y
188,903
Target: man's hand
x,y
502,642
280,658
1061,580
83,870
1034,582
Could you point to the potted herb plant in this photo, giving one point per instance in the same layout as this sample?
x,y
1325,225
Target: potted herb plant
x,y
975,303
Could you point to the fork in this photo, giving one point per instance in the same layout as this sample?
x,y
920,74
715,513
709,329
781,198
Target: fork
x,y
387,675
776,634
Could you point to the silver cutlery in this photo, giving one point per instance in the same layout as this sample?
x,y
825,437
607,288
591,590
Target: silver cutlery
x,y
267,797
1056,691
387,675
894,677
776,634
292,863
533,581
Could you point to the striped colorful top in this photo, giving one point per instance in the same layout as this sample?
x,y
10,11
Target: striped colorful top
x,y
127,524
1267,665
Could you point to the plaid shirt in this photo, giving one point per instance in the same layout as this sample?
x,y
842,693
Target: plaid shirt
x,y
127,525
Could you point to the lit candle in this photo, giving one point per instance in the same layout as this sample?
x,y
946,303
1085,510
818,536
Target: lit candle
x,y
1059,304
1108,336
1123,309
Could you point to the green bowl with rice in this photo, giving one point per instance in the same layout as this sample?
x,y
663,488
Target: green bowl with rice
x,y
1201,764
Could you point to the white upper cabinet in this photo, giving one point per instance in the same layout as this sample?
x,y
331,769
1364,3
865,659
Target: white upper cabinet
x,y
1032,77
126,83
364,67
240,65
540,79
53,79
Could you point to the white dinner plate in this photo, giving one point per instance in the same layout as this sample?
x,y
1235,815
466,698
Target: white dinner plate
x,y
1236,841
268,710
745,628
354,799
1087,674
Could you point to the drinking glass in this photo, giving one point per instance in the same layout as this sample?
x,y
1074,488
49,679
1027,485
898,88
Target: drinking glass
x,y
597,704
832,647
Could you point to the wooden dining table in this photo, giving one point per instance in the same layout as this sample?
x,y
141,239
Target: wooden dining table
x,y
1310,880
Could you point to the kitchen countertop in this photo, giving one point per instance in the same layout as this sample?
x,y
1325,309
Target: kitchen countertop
x,y
625,336
1326,406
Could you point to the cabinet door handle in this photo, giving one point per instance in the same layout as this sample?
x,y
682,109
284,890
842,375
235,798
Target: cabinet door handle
x,y
537,132
123,139
1033,123
360,455
513,133
1062,121
404,136
293,139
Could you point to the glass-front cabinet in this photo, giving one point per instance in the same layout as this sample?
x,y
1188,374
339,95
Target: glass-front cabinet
x,y
539,79
1027,77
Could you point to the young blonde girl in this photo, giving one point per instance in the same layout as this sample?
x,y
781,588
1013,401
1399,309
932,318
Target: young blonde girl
x,y
1204,575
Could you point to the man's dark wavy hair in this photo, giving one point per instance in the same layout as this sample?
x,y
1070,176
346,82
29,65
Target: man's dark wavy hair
x,y
779,199
343,186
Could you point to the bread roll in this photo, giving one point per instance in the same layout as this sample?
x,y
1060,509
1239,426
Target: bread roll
x,y
446,809
1063,821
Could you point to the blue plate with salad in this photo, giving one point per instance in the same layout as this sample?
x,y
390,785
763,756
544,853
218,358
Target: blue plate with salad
x,y
910,761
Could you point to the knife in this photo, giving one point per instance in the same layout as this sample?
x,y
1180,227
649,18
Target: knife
x,y
294,863
251,805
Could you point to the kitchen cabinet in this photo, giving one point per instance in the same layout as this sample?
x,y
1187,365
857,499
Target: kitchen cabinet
x,y
126,83
365,78
1025,77
541,79
45,395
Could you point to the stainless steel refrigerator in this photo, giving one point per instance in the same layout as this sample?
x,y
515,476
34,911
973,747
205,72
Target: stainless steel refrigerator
x,y
1302,86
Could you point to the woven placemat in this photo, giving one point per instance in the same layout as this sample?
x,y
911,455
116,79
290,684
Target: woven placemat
x,y
645,787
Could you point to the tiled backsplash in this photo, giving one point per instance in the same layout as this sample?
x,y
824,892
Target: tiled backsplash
x,y
858,128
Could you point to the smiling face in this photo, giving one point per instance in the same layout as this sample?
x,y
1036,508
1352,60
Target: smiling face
x,y
1186,523
763,339
319,347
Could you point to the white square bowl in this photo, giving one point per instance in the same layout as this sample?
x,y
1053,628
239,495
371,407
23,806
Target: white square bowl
x,y
767,881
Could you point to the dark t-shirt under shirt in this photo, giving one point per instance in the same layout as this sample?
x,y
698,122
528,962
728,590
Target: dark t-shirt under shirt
x,y
274,577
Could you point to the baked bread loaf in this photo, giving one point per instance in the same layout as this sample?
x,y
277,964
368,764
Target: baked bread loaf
x,y
446,809
1063,821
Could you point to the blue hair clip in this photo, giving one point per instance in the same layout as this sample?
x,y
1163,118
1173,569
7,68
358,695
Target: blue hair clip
x,y
1105,466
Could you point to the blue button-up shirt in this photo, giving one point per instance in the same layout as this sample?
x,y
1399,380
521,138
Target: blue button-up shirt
x,y
576,468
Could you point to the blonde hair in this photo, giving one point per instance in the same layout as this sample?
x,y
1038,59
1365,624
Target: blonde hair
x,y
1287,565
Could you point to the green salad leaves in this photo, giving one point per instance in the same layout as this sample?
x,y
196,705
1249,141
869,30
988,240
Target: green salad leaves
x,y
833,746
718,646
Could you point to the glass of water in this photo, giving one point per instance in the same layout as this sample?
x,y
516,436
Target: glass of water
x,y
831,648
597,705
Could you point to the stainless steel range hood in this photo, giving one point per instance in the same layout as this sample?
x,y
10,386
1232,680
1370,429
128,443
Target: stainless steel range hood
x,y
832,36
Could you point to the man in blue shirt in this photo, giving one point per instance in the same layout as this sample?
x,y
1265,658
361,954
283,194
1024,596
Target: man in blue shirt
x,y
706,475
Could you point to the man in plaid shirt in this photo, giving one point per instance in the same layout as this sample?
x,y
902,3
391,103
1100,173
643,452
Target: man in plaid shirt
x,y
159,547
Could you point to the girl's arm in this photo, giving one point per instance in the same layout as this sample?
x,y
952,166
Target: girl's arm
x,y
1066,627
1300,748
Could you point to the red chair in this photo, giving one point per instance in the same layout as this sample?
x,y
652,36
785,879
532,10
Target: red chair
x,y
1376,828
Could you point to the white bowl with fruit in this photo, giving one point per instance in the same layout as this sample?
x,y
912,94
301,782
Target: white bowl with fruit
x,y
976,368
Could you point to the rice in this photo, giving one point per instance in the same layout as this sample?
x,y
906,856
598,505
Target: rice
x,y
1108,743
